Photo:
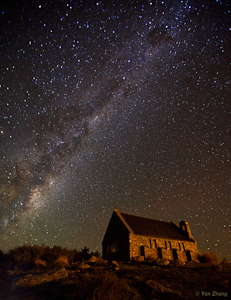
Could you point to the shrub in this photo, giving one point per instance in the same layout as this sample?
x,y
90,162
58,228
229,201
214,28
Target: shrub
x,y
52,256
208,257
28,257
84,253
62,261
95,253
40,264
23,257
74,256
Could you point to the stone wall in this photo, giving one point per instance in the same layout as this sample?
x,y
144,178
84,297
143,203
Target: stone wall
x,y
115,243
161,248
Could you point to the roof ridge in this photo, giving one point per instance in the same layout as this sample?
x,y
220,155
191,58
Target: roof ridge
x,y
123,220
144,218
151,227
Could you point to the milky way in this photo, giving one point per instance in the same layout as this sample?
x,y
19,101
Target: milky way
x,y
123,104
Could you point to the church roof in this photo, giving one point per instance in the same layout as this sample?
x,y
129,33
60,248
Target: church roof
x,y
150,227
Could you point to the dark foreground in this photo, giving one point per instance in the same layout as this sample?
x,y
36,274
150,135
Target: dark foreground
x,y
103,280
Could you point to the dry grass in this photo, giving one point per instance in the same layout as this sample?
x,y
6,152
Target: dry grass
x,y
40,264
112,288
208,257
62,261
33,257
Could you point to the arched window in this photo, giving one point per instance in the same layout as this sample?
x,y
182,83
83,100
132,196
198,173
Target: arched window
x,y
175,256
166,246
154,244
160,255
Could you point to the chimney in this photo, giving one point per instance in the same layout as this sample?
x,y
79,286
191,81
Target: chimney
x,y
184,226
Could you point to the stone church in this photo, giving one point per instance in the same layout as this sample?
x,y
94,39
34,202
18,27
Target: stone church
x,y
128,237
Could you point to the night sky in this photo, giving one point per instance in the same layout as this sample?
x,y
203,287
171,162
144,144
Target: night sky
x,y
114,103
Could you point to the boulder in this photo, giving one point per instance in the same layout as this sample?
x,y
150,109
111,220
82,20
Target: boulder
x,y
226,266
101,262
159,291
139,259
35,279
177,263
217,268
92,259
162,262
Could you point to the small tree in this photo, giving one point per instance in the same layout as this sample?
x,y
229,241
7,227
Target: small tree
x,y
85,253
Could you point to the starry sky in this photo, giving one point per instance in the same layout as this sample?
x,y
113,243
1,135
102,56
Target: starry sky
x,y
114,103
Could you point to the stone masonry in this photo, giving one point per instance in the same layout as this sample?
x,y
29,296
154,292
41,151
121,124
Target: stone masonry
x,y
130,237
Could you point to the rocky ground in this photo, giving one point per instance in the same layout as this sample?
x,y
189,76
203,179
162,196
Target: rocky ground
x,y
103,280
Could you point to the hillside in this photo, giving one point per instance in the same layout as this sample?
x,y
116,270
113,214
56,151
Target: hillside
x,y
96,278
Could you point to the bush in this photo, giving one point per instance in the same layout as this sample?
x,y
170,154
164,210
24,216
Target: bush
x,y
62,261
74,256
84,253
40,264
24,257
208,257
51,255
35,257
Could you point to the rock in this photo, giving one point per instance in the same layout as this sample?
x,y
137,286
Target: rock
x,y
162,262
139,259
84,266
10,273
177,263
93,259
226,267
192,263
224,261
101,262
32,279
157,290
217,268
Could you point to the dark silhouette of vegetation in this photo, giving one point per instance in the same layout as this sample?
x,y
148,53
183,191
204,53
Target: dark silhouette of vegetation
x,y
208,257
4,277
85,255
28,257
